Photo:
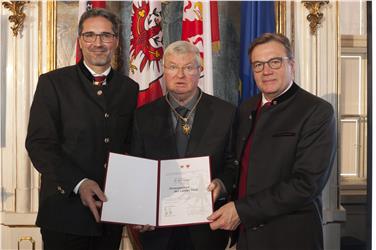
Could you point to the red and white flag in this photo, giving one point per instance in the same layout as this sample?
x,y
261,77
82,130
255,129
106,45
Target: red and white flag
x,y
146,50
83,6
200,27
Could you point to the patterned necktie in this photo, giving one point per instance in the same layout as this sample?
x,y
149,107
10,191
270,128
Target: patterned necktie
x,y
181,138
99,80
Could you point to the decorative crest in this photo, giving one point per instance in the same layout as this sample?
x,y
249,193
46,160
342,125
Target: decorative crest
x,y
18,17
315,15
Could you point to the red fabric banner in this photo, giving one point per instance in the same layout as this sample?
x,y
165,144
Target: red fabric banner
x,y
146,50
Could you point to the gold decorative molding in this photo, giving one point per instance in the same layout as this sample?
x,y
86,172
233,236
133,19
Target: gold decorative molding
x,y
51,35
18,17
26,238
280,17
315,15
47,36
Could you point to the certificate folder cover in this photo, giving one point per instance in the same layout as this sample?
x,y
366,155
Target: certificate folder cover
x,y
158,193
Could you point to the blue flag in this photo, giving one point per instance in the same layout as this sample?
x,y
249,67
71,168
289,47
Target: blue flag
x,y
257,17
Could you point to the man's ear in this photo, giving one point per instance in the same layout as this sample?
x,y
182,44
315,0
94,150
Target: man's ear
x,y
117,42
79,42
201,68
292,64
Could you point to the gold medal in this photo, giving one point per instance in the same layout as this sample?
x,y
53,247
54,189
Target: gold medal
x,y
186,128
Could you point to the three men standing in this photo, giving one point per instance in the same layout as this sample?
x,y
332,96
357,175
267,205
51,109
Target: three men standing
x,y
285,146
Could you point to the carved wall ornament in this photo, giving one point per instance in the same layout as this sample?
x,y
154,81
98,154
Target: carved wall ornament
x,y
315,15
18,17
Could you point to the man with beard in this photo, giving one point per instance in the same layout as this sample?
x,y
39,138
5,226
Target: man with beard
x,y
79,114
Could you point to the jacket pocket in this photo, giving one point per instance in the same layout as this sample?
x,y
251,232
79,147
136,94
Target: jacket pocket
x,y
281,134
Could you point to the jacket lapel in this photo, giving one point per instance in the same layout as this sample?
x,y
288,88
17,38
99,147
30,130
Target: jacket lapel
x,y
202,119
247,121
166,130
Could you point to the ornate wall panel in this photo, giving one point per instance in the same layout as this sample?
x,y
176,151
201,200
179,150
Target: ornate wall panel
x,y
317,59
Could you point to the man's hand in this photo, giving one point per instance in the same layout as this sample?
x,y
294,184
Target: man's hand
x,y
144,228
226,218
88,190
216,187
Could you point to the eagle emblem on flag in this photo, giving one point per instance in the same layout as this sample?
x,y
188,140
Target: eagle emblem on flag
x,y
146,44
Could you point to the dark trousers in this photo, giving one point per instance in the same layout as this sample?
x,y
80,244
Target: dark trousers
x,y
177,238
180,240
53,240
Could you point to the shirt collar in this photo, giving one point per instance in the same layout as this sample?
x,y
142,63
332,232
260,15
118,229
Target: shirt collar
x,y
106,72
189,105
264,99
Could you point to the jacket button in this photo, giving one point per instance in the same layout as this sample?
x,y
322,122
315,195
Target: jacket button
x,y
106,115
61,190
236,162
106,140
99,92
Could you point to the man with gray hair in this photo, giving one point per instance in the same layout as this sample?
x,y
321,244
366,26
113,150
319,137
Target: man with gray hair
x,y
79,114
186,123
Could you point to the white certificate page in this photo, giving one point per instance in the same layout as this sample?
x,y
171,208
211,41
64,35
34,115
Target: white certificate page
x,y
184,198
131,190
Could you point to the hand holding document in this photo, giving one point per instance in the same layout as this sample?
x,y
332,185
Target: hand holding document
x,y
158,193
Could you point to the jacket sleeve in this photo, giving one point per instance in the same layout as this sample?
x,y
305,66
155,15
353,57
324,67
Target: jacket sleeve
x,y
137,148
315,154
44,139
231,166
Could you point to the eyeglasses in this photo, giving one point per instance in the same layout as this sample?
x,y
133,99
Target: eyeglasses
x,y
188,69
274,63
91,37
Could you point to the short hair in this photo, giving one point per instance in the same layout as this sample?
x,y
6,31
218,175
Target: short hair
x,y
269,37
102,13
182,47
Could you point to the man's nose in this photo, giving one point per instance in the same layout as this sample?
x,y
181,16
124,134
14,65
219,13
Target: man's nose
x,y
267,70
180,72
98,40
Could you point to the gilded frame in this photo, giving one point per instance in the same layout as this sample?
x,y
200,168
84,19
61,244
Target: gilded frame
x,y
46,33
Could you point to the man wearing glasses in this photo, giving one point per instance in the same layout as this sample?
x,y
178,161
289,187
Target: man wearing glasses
x,y
79,114
286,145
186,123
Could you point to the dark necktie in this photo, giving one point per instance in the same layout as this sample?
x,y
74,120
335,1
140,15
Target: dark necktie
x,y
99,80
181,138
267,104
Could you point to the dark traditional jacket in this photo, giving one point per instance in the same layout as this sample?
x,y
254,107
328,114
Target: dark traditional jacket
x,y
154,138
293,149
73,126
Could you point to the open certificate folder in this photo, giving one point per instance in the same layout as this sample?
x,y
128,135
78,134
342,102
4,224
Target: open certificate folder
x,y
158,193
